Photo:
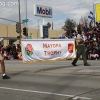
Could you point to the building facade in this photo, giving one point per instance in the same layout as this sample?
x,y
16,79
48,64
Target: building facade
x,y
8,32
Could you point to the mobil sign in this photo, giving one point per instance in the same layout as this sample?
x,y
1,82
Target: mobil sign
x,y
42,11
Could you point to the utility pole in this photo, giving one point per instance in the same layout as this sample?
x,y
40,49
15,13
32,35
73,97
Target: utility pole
x,y
19,18
26,18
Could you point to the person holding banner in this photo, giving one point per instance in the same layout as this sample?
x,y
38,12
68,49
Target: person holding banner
x,y
4,76
80,50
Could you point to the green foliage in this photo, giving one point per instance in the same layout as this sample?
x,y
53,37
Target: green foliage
x,y
69,25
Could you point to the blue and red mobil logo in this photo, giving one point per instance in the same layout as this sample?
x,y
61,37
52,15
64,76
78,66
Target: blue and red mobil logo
x,y
42,11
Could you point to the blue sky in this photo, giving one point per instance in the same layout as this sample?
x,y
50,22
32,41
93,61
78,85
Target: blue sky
x,y
62,9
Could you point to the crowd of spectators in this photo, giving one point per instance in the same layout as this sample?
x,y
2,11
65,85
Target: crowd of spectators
x,y
91,37
11,51
90,34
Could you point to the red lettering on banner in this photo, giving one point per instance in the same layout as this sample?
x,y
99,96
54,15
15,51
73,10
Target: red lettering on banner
x,y
45,45
49,53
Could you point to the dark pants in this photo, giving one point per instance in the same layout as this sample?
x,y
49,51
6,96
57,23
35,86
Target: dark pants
x,y
80,51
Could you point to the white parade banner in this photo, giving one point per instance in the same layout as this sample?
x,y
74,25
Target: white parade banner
x,y
47,49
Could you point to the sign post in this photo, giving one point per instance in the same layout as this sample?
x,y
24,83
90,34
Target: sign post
x,y
43,11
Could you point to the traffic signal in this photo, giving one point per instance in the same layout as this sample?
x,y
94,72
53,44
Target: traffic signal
x,y
25,31
18,27
18,37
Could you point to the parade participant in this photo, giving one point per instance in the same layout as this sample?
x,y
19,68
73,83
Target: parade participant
x,y
4,76
80,50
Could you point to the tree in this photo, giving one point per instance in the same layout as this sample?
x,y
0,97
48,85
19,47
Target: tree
x,y
49,25
84,21
69,25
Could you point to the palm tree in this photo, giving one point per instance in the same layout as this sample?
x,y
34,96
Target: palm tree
x,y
49,25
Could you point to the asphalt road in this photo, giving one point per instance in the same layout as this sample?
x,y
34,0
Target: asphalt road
x,y
51,81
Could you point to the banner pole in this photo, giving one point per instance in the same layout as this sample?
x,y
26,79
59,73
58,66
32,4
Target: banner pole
x,y
94,13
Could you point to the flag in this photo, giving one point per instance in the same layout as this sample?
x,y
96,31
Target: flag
x,y
91,15
97,12
91,12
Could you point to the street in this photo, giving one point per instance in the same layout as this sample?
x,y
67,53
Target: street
x,y
57,80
